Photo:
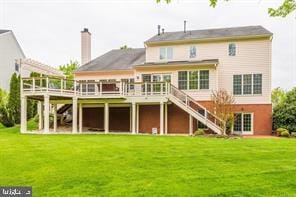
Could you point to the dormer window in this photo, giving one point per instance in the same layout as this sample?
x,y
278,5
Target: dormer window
x,y
166,53
192,52
232,49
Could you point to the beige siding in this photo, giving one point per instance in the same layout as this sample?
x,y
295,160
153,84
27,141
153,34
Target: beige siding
x,y
253,56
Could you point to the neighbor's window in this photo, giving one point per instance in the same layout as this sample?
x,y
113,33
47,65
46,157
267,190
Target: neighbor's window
x,y
242,122
166,53
257,83
204,79
182,80
247,86
192,52
232,49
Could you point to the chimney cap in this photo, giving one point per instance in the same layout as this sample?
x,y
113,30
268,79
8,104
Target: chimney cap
x,y
85,30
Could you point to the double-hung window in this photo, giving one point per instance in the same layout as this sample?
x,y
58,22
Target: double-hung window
x,y
192,52
247,84
232,49
193,80
166,53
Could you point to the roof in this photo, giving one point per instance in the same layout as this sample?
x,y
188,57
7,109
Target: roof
x,y
220,33
38,67
2,31
173,63
120,59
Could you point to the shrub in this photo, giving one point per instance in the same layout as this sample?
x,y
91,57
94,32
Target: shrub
x,y
280,130
293,134
199,132
285,134
5,117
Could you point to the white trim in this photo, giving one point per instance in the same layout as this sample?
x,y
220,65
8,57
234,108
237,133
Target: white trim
x,y
242,124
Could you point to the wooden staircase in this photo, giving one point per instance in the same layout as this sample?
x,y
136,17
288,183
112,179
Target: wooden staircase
x,y
192,107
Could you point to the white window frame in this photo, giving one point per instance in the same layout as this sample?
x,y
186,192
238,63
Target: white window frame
x,y
242,124
252,85
166,53
191,46
228,51
198,79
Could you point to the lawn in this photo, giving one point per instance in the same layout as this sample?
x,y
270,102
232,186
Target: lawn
x,y
126,165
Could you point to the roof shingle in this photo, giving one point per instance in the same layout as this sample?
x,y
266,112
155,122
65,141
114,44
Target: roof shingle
x,y
210,34
121,59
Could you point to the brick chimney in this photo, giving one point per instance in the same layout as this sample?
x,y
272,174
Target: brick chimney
x,y
85,46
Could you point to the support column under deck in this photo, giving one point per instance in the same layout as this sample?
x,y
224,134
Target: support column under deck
x,y
166,118
80,117
40,116
106,118
74,115
55,118
23,114
134,118
46,114
161,122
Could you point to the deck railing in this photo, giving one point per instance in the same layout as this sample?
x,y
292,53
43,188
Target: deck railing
x,y
86,88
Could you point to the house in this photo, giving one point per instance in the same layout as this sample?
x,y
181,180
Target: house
x,y
166,87
10,51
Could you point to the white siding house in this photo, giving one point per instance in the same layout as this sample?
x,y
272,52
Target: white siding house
x,y
10,51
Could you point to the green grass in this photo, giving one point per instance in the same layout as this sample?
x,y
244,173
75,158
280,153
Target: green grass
x,y
121,165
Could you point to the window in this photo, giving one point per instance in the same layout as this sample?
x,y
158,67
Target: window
x,y
243,122
166,53
247,84
204,79
192,52
166,78
231,49
257,83
193,80
237,84
16,67
247,87
182,80
237,126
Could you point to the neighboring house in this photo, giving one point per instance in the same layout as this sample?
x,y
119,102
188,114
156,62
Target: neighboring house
x,y
166,87
10,51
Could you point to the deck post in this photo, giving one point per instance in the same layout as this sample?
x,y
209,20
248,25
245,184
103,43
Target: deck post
x,y
55,118
46,114
40,117
106,118
74,115
23,114
137,127
80,117
166,118
134,118
190,125
161,119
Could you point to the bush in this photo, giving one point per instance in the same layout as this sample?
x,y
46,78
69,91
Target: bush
x,y
5,117
293,134
199,132
279,131
285,134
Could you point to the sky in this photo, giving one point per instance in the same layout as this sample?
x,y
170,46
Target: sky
x,y
49,30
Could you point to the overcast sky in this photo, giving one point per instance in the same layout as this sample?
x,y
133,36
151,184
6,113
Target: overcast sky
x,y
49,30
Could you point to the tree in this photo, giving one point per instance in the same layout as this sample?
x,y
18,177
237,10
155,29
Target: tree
x,y
14,105
286,8
284,115
278,96
222,106
68,69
